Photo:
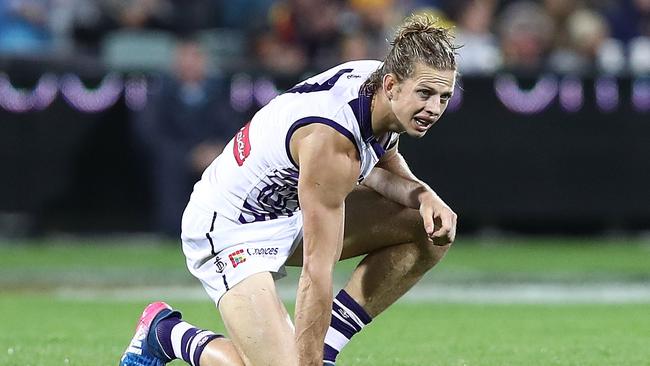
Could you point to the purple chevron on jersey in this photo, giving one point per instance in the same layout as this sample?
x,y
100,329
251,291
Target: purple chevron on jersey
x,y
275,196
310,120
315,87
361,107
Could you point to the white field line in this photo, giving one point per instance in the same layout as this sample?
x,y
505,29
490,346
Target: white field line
x,y
605,293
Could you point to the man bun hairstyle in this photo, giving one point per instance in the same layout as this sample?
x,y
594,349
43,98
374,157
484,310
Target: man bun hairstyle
x,y
420,39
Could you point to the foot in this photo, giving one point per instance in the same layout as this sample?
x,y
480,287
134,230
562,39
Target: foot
x,y
144,349
328,363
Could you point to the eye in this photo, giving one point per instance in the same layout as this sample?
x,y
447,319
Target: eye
x,y
424,93
445,97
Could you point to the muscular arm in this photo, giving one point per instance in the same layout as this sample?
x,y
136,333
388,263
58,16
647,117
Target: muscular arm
x,y
329,168
393,179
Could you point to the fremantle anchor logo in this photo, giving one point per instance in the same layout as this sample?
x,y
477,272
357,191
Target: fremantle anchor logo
x,y
220,264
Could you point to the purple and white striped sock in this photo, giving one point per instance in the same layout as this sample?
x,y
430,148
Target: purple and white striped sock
x,y
348,318
179,339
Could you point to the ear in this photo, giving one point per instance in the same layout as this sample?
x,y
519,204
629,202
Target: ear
x,y
389,83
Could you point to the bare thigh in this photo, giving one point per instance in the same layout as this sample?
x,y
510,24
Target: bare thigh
x,y
258,323
373,222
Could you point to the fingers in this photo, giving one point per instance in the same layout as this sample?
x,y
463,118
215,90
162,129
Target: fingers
x,y
445,233
427,217
439,222
444,226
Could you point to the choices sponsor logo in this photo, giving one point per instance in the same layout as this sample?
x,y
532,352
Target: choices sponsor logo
x,y
242,146
237,257
262,251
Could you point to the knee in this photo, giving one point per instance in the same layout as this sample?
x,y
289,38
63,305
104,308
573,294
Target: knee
x,y
428,254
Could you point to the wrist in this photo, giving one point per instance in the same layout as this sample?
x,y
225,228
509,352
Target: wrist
x,y
430,198
424,195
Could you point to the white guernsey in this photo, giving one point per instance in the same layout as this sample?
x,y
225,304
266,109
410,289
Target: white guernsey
x,y
286,191
242,216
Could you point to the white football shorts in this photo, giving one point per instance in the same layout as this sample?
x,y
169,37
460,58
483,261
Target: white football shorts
x,y
221,253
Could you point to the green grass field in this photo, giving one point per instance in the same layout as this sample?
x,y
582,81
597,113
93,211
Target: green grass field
x,y
47,320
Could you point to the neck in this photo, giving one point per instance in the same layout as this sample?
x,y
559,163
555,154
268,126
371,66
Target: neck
x,y
381,113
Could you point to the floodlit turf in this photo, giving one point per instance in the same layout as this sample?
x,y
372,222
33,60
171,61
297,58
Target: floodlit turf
x,y
42,326
41,331
76,262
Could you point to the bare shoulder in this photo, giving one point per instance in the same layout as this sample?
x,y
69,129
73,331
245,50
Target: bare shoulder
x,y
329,165
323,141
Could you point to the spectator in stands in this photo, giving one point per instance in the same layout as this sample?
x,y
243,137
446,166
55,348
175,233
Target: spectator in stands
x,y
186,123
586,32
244,14
355,47
480,53
629,19
94,19
191,16
560,11
24,27
630,23
526,32
377,19
278,57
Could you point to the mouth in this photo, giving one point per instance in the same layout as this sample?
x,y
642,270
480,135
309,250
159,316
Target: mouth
x,y
423,123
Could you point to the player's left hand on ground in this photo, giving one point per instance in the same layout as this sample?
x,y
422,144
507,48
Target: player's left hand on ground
x,y
439,220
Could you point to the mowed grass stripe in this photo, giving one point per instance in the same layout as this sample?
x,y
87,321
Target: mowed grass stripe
x,y
139,262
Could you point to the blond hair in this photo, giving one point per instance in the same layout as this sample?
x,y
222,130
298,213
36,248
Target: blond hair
x,y
418,40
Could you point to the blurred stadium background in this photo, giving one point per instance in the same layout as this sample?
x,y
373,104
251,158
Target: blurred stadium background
x,y
543,152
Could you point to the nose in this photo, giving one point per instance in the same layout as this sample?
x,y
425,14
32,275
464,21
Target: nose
x,y
433,106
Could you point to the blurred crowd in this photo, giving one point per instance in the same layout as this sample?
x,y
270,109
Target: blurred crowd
x,y
288,37
193,50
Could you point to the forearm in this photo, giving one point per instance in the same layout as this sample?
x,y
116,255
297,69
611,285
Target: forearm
x,y
328,172
398,166
322,242
313,308
394,180
403,190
